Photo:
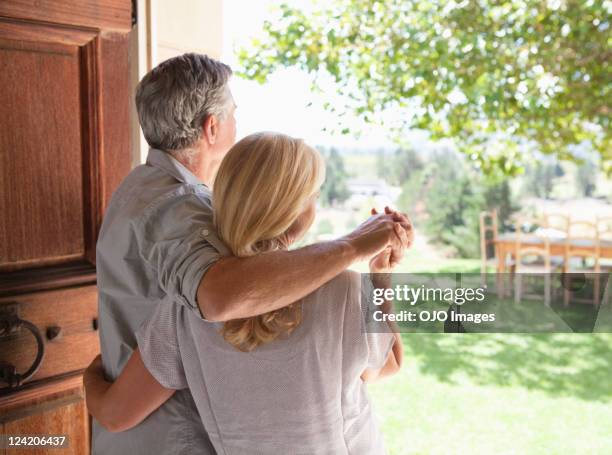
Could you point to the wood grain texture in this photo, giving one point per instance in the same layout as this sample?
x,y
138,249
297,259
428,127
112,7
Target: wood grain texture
x,y
40,157
92,146
54,220
73,310
47,278
19,31
61,410
30,398
69,419
115,97
99,14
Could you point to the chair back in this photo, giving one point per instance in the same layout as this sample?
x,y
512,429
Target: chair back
x,y
604,228
583,242
530,242
557,224
488,235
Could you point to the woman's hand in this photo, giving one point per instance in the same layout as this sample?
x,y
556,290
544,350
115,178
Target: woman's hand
x,y
123,404
94,372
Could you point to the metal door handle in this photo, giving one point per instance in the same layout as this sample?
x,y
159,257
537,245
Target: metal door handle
x,y
8,372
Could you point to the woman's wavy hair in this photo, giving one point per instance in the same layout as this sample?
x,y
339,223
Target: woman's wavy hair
x,y
263,185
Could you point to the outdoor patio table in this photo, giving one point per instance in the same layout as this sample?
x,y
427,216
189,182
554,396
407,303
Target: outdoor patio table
x,y
506,243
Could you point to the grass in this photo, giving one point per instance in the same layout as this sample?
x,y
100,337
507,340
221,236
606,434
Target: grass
x,y
477,393
506,393
497,393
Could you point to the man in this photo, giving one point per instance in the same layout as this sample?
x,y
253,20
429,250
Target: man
x,y
158,243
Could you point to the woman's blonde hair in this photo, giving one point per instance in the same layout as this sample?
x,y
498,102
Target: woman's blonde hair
x,y
263,185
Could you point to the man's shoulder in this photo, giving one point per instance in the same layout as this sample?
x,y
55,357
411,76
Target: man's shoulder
x,y
143,202
152,202
146,192
180,204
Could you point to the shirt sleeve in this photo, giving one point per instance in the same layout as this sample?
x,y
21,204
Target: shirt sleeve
x,y
159,348
180,241
376,339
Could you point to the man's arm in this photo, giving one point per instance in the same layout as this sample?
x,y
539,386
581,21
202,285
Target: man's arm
x,y
123,404
236,288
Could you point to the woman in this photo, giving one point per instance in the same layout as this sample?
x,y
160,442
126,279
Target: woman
x,y
289,381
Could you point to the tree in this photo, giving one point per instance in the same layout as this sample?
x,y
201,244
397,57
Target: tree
x,y
498,195
586,179
398,167
540,178
453,203
451,196
502,78
334,189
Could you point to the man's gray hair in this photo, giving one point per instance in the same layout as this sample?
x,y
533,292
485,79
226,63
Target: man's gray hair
x,y
176,96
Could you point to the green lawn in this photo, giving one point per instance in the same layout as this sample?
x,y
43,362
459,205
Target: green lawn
x,y
497,393
494,393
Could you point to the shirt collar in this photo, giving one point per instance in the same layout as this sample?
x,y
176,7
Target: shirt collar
x,y
165,162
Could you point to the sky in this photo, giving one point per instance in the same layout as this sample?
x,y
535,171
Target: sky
x,y
282,103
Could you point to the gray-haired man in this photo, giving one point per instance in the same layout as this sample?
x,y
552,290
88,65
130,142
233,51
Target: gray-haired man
x,y
158,243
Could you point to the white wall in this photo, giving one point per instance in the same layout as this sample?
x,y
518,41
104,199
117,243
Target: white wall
x,y
167,28
189,26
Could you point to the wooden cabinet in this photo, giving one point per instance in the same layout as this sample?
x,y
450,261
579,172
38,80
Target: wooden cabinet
x,y
65,132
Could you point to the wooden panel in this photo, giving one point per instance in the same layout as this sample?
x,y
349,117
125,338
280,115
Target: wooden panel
x,y
76,114
57,407
73,310
46,279
117,153
70,420
27,33
101,14
40,156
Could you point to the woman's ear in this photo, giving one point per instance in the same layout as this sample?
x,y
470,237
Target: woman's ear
x,y
210,128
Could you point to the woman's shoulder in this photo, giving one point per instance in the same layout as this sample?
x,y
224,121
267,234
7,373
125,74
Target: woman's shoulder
x,y
334,295
346,282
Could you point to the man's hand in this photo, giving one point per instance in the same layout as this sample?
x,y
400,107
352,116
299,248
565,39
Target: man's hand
x,y
391,229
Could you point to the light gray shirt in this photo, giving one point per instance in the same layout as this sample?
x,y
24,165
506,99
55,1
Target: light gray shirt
x,y
155,244
298,395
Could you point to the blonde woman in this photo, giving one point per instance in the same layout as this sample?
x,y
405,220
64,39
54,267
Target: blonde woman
x,y
289,381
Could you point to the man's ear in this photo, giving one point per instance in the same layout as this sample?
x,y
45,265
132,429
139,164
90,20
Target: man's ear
x,y
210,128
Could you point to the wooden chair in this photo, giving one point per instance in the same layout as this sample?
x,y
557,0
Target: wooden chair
x,y
488,236
604,227
582,243
489,230
557,221
532,257
556,225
